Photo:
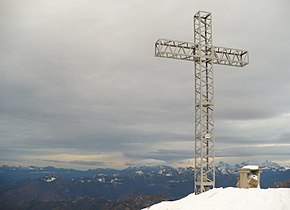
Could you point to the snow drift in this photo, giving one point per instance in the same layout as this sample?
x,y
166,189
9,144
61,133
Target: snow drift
x,y
229,199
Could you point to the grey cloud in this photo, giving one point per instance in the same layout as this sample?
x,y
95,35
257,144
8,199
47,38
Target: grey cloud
x,y
254,151
166,155
171,155
81,75
79,162
89,163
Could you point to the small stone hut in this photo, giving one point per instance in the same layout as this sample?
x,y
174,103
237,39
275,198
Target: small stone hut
x,y
249,177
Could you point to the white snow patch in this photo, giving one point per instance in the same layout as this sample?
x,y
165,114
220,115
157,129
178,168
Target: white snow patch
x,y
229,199
101,180
251,167
50,179
115,181
139,172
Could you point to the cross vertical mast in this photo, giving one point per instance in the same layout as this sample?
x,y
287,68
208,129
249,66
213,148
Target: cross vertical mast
x,y
204,103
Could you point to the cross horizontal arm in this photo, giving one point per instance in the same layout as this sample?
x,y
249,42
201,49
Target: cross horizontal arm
x,y
230,57
175,49
187,51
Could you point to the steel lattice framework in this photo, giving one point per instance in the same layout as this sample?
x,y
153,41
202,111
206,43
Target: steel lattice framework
x,y
204,55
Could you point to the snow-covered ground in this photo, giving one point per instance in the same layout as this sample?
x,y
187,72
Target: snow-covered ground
x,y
231,199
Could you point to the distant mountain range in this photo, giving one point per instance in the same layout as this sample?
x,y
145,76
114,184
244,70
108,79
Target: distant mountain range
x,y
139,186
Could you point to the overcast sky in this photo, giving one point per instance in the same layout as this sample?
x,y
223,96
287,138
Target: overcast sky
x,y
80,86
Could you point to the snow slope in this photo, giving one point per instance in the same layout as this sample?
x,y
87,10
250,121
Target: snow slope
x,y
231,199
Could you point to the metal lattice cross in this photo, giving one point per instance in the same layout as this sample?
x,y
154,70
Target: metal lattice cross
x,y
204,55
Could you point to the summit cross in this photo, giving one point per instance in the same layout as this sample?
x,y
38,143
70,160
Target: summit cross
x,y
204,55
